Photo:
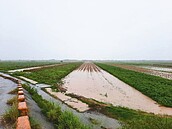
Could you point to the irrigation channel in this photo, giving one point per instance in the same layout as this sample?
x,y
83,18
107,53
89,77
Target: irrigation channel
x,y
103,121
5,87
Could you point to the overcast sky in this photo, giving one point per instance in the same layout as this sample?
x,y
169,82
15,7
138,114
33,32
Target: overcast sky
x,y
86,29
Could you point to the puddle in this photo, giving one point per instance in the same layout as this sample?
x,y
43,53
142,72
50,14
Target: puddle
x,y
92,82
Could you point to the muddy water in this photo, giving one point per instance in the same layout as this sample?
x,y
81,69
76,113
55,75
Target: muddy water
x,y
158,68
5,87
102,86
103,120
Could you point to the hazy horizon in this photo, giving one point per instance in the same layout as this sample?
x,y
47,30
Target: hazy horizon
x,y
86,30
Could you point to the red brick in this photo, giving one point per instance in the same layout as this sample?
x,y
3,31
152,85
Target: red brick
x,y
23,123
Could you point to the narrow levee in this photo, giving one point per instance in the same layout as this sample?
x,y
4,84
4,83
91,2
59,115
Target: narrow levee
x,y
92,82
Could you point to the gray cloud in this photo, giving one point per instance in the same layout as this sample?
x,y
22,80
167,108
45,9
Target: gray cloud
x,y
85,29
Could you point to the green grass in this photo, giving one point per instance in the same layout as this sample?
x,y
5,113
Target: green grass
x,y
130,119
10,65
12,100
34,123
157,88
50,75
60,119
11,115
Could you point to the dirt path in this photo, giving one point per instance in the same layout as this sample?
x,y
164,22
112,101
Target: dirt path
x,y
92,82
145,70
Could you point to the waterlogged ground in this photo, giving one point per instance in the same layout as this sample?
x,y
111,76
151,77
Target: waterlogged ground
x,y
92,82
158,68
5,87
156,71
102,120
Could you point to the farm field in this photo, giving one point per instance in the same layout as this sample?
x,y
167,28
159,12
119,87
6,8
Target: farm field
x,y
92,82
11,65
115,92
50,75
157,88
160,70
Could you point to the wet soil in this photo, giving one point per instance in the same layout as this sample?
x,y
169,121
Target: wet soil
x,y
92,82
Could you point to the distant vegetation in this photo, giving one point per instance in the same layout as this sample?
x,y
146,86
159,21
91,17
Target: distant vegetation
x,y
157,88
146,63
50,75
61,119
10,65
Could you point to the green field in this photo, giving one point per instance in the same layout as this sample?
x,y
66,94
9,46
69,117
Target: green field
x,y
157,88
50,75
11,65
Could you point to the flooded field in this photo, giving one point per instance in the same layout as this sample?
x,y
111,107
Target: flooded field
x,y
156,71
92,82
158,68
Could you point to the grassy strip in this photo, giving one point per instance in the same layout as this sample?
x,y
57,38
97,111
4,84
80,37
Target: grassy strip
x,y
9,118
157,88
34,123
50,75
136,119
9,65
131,119
60,119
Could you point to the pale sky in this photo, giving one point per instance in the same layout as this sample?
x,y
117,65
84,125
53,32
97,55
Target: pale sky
x,y
86,29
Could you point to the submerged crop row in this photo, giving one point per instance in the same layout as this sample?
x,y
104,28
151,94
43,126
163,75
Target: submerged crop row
x,y
50,75
157,88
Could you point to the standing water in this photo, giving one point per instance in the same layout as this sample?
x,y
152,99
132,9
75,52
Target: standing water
x,y
5,87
